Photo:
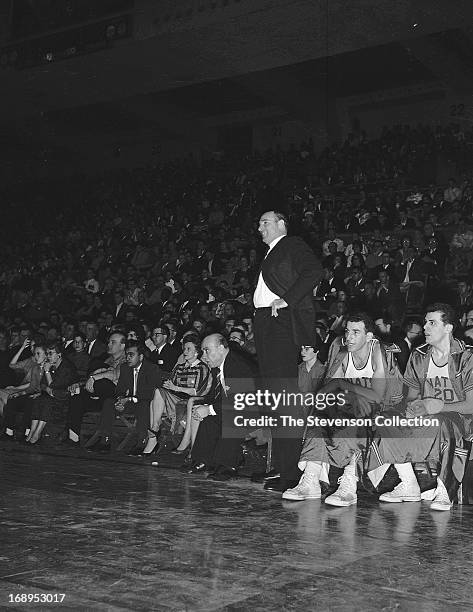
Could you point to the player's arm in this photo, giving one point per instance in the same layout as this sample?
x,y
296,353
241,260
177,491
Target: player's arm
x,y
464,407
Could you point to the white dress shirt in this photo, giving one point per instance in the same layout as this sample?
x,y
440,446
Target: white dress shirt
x,y
91,346
263,296
408,269
224,390
136,371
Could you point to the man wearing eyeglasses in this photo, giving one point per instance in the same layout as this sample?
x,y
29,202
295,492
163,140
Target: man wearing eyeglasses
x,y
163,355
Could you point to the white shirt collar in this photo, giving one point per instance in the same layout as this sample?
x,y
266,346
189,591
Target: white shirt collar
x,y
274,242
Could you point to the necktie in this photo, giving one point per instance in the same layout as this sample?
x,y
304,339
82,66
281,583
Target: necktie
x,y
218,382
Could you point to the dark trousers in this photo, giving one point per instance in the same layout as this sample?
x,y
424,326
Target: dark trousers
x,y
277,357
210,448
140,409
18,406
44,406
85,402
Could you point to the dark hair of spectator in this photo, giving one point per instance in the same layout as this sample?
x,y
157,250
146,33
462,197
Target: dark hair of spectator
x,y
140,347
139,331
56,346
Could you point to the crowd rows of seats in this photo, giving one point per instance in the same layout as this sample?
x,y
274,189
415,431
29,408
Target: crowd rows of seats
x,y
174,249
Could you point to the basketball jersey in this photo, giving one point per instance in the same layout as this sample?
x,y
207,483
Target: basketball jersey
x,y
360,376
438,384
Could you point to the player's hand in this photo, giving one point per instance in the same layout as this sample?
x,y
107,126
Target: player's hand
x,y
276,305
432,405
416,408
89,385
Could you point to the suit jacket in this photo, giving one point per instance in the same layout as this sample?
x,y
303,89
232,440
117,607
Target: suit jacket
x,y
174,352
120,316
324,290
291,271
166,359
69,350
64,376
416,272
353,289
236,368
391,270
150,378
98,351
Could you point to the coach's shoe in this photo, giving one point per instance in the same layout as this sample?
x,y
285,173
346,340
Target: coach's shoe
x,y
441,500
308,488
345,495
403,492
279,485
103,445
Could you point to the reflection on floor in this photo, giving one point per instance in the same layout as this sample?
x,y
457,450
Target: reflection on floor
x,y
128,536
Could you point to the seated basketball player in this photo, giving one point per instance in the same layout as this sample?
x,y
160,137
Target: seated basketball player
x,y
356,367
439,376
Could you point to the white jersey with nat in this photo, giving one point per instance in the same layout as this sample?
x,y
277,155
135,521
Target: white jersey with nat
x,y
438,384
361,376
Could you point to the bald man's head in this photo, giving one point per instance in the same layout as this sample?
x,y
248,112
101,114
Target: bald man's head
x,y
214,350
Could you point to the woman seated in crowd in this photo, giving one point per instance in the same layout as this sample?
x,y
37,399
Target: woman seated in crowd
x,y
32,369
58,375
190,378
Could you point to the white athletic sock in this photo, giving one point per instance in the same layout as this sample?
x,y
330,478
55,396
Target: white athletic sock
x,y
351,467
377,475
73,436
406,472
313,467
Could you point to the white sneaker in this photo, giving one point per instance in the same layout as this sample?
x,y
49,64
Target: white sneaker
x,y
345,495
403,492
308,488
428,495
441,500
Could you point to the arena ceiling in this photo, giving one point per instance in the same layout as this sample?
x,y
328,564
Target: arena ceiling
x,y
178,76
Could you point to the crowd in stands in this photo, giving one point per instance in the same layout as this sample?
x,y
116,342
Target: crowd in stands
x,y
144,264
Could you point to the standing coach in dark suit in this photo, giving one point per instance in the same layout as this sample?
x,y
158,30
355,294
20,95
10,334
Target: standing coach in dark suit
x,y
284,321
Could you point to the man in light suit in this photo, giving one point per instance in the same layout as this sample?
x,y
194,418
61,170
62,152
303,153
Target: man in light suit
x,y
284,321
